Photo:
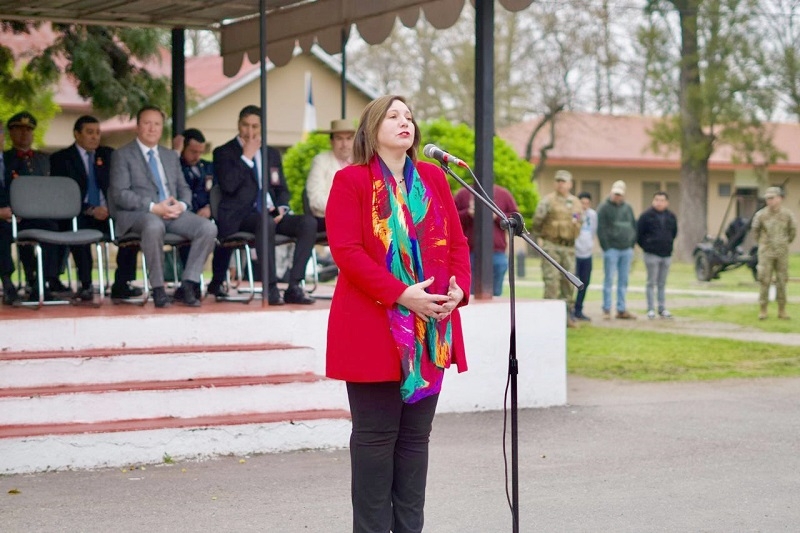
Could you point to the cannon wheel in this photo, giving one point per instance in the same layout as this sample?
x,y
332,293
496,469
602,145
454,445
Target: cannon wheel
x,y
702,266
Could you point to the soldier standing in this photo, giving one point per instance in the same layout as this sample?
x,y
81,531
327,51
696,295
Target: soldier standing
x,y
774,228
557,222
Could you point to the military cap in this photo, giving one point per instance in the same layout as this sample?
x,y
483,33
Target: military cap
x,y
772,192
563,175
23,118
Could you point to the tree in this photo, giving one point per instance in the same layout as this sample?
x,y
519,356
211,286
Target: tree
x,y
782,22
105,62
721,100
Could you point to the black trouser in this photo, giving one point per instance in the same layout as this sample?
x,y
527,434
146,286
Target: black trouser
x,y
388,457
126,255
6,262
302,228
583,269
52,255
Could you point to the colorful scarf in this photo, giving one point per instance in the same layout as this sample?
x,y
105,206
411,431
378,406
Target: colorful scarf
x,y
407,221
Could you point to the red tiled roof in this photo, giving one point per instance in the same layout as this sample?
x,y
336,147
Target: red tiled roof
x,y
587,139
203,73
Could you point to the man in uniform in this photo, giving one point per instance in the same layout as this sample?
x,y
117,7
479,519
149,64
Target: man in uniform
x,y
557,222
22,160
199,175
774,228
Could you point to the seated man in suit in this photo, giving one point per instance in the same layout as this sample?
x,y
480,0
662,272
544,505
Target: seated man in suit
x,y
326,164
238,169
150,197
199,173
22,160
88,163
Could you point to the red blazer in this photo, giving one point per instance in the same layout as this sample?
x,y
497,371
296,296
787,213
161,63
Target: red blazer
x,y
360,346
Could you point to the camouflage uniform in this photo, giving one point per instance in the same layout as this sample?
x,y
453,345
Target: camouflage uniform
x,y
557,222
774,230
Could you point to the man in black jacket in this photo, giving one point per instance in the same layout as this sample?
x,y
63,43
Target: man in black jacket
x,y
238,170
88,163
655,232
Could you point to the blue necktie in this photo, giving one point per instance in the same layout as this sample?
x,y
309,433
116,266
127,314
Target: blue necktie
x,y
260,198
92,190
151,158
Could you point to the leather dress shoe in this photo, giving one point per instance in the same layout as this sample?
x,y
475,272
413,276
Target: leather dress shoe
x,y
34,295
274,296
10,294
160,298
124,291
187,294
56,287
217,289
296,295
86,294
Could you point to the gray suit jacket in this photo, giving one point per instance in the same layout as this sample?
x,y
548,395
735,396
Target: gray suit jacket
x,y
132,186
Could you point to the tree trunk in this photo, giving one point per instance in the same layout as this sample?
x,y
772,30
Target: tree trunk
x,y
696,146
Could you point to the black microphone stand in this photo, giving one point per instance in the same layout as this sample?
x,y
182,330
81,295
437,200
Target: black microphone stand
x,y
515,226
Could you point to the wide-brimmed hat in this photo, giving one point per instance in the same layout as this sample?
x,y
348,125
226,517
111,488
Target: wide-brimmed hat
x,y
23,118
340,125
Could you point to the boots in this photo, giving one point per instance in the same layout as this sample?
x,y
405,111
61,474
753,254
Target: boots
x,y
782,311
763,314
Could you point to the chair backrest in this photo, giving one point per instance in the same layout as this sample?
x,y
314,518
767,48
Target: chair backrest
x,y
214,196
52,197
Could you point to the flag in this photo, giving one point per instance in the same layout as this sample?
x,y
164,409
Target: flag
x,y
310,117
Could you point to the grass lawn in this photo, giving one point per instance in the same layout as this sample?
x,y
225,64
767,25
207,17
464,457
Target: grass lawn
x,y
681,276
647,356
747,315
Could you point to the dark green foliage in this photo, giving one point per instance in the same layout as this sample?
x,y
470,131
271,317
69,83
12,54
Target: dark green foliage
x,y
104,61
511,172
297,163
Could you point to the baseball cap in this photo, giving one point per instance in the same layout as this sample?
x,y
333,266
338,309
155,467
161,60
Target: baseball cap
x,y
618,188
563,175
772,192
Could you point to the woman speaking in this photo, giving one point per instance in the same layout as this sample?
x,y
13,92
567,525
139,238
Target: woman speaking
x,y
394,327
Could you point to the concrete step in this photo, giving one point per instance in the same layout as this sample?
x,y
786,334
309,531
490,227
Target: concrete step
x,y
96,402
42,447
118,365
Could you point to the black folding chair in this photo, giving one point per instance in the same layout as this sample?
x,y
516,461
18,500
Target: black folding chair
x,y
56,198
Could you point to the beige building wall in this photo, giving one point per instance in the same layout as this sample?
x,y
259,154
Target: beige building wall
x,y
286,98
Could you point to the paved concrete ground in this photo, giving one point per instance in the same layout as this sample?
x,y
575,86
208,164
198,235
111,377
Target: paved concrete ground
x,y
716,457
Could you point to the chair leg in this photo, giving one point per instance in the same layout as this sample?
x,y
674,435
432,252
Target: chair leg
x,y
251,290
100,272
145,283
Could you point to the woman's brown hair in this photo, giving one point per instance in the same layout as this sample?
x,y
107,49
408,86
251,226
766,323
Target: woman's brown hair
x,y
365,144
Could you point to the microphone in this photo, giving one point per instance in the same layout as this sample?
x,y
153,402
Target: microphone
x,y
441,156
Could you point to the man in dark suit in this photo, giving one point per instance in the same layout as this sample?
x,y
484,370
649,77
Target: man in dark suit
x,y
6,262
150,197
238,170
22,160
88,163
199,173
